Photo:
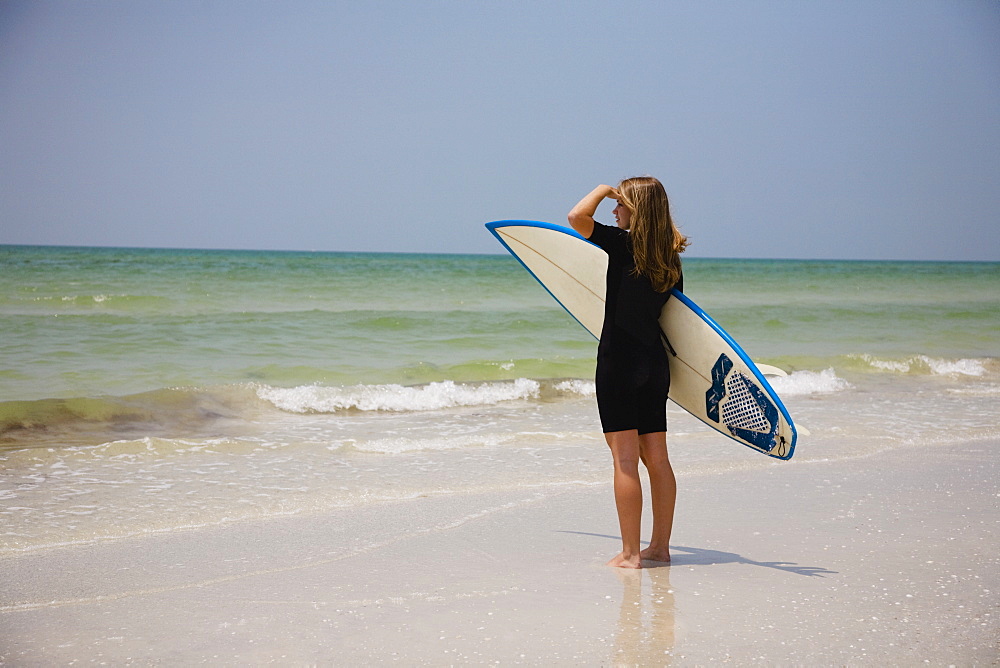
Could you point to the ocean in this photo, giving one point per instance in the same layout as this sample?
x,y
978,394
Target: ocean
x,y
146,391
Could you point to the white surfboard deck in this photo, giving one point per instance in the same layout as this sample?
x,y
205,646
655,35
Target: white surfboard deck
x,y
711,377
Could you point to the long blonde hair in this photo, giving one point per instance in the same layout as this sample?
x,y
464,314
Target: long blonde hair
x,y
656,242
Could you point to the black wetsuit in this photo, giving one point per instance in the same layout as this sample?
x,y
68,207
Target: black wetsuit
x,y
633,376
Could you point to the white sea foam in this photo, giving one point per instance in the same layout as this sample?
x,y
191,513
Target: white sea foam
x,y
576,386
809,382
396,398
925,364
991,390
965,367
393,446
885,365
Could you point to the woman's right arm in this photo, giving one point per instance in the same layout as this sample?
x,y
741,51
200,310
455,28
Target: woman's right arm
x,y
581,216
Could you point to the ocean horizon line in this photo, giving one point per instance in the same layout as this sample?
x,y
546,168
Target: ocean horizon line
x,y
499,254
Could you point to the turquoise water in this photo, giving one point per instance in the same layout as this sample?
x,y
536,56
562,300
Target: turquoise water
x,y
94,322
85,322
151,390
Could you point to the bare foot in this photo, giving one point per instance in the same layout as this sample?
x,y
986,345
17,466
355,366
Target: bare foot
x,y
621,561
661,555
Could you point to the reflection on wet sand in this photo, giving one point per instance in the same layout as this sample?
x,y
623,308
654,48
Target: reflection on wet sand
x,y
645,634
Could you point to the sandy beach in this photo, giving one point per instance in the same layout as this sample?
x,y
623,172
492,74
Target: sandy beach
x,y
886,559
274,392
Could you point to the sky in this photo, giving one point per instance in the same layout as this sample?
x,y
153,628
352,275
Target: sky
x,y
807,129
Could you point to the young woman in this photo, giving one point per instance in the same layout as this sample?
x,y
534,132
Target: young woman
x,y
632,372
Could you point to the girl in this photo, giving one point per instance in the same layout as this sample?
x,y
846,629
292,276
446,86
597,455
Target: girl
x,y
633,377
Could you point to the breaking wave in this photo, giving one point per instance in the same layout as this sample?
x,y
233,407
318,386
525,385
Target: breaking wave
x,y
397,398
922,364
809,382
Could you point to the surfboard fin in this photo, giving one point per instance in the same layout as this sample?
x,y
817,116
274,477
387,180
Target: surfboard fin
x,y
769,370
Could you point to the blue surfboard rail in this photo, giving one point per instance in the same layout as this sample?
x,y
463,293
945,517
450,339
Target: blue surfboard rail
x,y
738,349
787,452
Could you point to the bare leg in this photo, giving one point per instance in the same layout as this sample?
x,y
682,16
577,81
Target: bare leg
x,y
628,495
663,490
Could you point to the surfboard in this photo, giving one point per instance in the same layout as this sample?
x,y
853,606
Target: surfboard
x,y
711,376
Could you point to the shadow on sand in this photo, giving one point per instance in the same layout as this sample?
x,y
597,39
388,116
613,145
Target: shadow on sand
x,y
694,556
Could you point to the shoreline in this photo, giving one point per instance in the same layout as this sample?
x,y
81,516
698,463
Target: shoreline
x,y
891,558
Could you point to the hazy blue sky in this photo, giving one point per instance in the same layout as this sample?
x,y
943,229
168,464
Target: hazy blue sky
x,y
803,129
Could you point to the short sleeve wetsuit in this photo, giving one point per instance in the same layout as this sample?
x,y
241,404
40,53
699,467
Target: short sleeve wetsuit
x,y
633,376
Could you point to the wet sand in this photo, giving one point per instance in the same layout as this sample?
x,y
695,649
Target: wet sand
x,y
886,559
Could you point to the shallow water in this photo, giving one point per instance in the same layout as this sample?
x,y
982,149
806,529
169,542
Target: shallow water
x,y
152,390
